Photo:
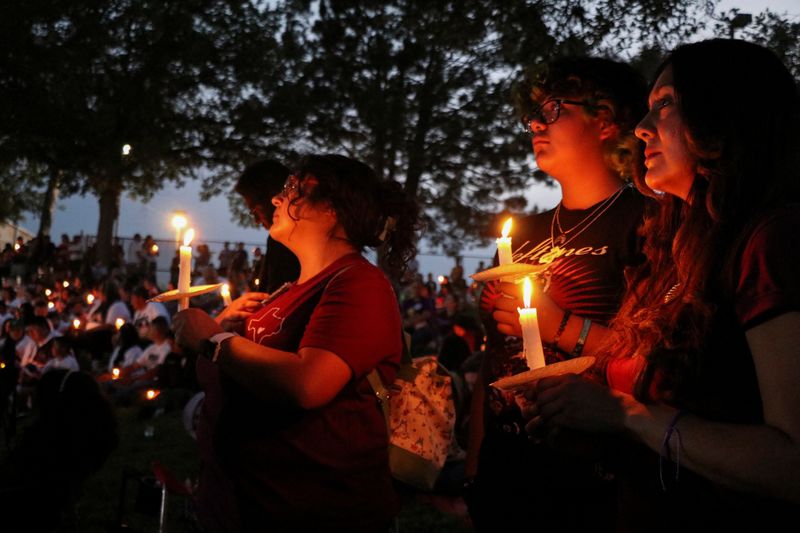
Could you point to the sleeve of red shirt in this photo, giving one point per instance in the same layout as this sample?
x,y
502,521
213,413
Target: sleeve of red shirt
x,y
769,281
358,319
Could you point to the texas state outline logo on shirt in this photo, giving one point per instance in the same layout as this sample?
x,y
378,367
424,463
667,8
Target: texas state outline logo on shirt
x,y
265,326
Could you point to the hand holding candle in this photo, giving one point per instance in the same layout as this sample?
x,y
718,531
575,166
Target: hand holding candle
x,y
185,269
504,255
531,339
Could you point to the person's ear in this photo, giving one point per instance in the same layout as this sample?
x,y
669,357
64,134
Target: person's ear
x,y
607,128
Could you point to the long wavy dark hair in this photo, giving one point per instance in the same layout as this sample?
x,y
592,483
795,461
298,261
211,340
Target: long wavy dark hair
x,y
602,83
742,118
374,212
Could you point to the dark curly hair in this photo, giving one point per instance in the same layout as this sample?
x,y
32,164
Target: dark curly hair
x,y
602,83
742,118
374,212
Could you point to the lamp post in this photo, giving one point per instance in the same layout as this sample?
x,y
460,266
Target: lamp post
x,y
739,21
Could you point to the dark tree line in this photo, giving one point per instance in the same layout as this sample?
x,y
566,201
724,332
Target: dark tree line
x,y
197,88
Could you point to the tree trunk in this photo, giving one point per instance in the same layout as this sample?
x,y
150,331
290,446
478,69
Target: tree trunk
x,y
109,211
48,205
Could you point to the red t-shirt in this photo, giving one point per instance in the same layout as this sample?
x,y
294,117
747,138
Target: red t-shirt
x,y
269,465
725,389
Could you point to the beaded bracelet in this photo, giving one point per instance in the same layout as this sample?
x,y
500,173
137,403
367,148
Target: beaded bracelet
x,y
672,429
561,328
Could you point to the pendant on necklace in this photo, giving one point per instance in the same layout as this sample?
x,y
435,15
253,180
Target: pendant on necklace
x,y
554,253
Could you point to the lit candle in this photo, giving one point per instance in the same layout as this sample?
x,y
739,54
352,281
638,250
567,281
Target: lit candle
x,y
440,279
531,339
257,282
90,299
48,292
151,394
16,247
65,284
185,270
504,245
154,249
119,323
115,373
76,323
50,305
225,291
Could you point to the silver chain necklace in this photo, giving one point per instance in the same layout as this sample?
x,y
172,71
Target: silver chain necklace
x,y
558,244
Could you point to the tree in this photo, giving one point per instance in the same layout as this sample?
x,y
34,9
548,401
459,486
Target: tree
x,y
83,79
421,90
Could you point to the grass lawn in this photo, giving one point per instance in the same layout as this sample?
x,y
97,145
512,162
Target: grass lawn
x,y
173,447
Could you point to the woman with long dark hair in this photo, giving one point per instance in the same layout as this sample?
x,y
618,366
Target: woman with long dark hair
x,y
290,434
705,365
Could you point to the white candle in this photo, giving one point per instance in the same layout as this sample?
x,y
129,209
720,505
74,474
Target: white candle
x,y
185,268
504,245
531,339
225,291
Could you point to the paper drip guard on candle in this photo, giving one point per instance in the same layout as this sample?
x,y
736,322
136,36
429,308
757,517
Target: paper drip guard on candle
x,y
193,291
524,380
510,272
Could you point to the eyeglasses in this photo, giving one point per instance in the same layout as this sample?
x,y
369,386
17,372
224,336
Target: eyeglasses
x,y
548,112
291,184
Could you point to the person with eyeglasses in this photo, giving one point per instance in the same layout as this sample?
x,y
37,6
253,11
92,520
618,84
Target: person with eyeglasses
x,y
291,436
580,114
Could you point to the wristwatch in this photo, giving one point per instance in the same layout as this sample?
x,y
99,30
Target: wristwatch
x,y
213,345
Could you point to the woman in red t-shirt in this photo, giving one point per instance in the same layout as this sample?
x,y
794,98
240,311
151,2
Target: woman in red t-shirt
x,y
706,367
290,433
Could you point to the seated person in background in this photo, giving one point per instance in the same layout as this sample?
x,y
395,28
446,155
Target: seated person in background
x,y
146,366
39,332
145,312
127,347
62,357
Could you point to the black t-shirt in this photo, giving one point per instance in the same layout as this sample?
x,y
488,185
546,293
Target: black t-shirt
x,y
587,279
278,266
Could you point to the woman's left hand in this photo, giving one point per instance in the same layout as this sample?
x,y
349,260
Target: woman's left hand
x,y
192,327
574,402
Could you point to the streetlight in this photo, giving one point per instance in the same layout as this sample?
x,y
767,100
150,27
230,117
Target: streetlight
x,y
179,222
739,21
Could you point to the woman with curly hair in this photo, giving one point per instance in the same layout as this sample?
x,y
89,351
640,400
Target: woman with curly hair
x,y
290,434
704,354
580,113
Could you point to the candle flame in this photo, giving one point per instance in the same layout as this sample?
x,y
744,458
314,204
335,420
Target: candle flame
x,y
2,365
527,292
188,236
50,305
441,279
119,323
506,228
48,292
90,299
155,248
257,282
225,290
76,323
65,284
16,247
115,373
152,394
